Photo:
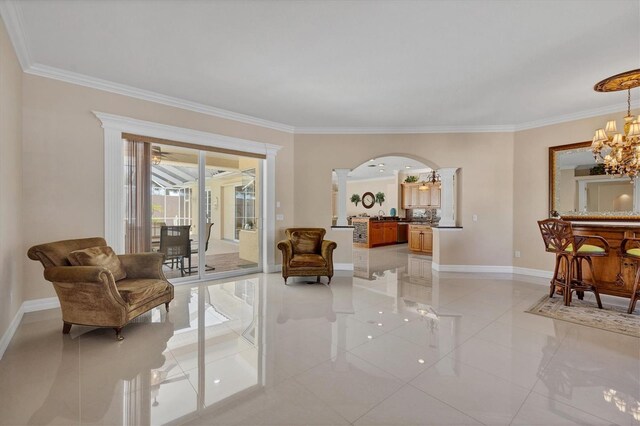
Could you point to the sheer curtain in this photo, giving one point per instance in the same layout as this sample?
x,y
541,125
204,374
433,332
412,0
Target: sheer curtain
x,y
137,178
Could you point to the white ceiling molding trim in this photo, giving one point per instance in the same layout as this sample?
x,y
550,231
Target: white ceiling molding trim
x,y
576,116
181,134
402,130
12,17
146,95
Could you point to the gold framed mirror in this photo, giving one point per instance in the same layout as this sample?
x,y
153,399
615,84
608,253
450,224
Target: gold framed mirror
x,y
579,189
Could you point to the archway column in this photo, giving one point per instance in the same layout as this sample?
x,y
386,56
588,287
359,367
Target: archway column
x,y
342,196
447,196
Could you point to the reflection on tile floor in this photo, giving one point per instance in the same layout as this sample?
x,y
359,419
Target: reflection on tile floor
x,y
394,343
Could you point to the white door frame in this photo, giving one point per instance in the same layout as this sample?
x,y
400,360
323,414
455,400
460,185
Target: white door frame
x,y
115,125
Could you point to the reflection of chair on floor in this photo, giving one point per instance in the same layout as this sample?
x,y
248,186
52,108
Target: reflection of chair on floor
x,y
206,247
176,245
79,375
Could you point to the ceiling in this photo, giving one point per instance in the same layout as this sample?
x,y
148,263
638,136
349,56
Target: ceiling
x,y
324,66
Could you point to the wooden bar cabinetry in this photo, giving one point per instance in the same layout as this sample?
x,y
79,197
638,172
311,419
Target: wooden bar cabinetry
x,y
614,275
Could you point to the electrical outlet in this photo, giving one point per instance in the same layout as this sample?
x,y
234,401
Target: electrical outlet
x,y
279,217
516,253
475,217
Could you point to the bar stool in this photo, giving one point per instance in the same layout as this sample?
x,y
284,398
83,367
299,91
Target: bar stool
x,y
632,254
571,250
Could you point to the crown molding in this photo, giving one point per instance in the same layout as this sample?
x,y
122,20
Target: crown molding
x,y
403,130
147,95
12,17
590,113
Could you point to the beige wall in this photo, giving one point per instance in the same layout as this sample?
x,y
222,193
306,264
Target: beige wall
x,y
63,161
531,183
387,186
487,158
12,251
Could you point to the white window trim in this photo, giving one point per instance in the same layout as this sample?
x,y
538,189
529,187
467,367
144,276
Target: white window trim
x,y
115,125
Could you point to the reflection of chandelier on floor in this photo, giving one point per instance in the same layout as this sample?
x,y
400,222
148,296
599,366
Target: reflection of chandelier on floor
x,y
620,152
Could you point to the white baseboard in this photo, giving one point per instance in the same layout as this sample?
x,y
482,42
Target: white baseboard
x,y
26,307
492,269
343,266
13,327
472,268
40,304
272,269
541,273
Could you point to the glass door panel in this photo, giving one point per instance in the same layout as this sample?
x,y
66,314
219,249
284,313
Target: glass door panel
x,y
175,208
234,244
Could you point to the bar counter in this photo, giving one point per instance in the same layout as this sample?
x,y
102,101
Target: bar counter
x,y
614,275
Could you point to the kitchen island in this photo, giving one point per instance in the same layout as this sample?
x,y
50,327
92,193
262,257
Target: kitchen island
x,y
371,232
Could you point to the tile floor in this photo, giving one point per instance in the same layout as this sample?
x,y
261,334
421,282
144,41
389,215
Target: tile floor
x,y
392,343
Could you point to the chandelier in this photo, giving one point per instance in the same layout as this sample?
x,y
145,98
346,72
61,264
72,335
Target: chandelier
x,y
619,152
433,179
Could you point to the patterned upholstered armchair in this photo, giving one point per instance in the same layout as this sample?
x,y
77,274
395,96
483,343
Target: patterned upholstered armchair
x,y
306,253
97,288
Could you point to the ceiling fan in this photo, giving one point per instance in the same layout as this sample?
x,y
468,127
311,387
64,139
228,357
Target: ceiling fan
x,y
157,155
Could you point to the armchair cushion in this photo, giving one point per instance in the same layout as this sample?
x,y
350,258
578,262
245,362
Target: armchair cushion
x,y
138,290
306,241
99,256
307,261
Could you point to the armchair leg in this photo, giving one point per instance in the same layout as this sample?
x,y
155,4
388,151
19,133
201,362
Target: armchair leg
x,y
329,276
318,279
166,306
118,333
66,328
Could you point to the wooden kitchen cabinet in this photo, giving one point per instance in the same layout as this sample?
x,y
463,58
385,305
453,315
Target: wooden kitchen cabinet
x,y
376,234
390,232
421,239
414,198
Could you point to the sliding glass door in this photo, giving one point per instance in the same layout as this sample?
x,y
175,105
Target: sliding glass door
x,y
199,208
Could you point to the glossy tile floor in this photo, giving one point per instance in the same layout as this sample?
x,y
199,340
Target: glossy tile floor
x,y
392,343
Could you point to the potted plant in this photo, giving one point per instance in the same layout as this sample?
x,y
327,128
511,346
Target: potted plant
x,y
380,198
411,179
355,199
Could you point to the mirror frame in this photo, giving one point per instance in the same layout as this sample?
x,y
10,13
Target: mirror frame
x,y
606,216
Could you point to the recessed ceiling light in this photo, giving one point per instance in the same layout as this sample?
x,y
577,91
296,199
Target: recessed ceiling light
x,y
216,381
380,312
381,171
421,361
379,324
381,165
407,167
406,320
369,337
372,160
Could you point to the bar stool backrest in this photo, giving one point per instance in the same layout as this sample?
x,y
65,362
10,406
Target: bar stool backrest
x,y
557,234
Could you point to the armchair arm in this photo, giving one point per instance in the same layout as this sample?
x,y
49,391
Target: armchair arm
x,y
74,274
327,249
286,248
88,295
143,265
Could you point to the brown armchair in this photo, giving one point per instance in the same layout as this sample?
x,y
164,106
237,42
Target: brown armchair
x,y
306,253
89,295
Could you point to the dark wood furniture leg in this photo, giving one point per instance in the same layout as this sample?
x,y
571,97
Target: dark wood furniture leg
x,y
118,331
66,328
